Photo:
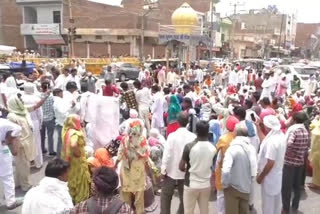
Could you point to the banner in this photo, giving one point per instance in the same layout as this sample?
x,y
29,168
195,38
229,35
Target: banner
x,y
40,29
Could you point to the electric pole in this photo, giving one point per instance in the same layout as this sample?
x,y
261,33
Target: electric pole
x,y
211,30
148,6
281,26
234,20
71,31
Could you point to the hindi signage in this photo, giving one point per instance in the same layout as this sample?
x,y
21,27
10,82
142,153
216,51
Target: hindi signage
x,y
40,29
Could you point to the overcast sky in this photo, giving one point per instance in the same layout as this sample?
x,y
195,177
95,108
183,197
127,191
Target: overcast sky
x,y
307,10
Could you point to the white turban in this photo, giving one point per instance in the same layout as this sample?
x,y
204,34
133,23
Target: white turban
x,y
154,132
272,122
133,113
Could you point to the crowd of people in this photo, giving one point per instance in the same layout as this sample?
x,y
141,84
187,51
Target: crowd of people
x,y
119,145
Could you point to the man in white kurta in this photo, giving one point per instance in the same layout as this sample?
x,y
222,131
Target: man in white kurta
x,y
157,111
8,132
233,78
268,87
270,164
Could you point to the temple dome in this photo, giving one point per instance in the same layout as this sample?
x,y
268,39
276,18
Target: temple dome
x,y
184,18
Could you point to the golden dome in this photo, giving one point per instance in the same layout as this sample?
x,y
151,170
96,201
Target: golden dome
x,y
184,18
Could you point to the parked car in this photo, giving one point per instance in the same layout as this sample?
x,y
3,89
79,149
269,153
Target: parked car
x,y
124,70
256,64
302,72
4,69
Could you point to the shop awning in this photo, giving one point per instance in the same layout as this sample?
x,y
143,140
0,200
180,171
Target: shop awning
x,y
49,39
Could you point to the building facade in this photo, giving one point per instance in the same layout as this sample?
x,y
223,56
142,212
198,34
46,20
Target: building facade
x,y
88,29
308,40
263,34
10,20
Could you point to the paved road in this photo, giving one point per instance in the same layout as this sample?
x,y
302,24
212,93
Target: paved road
x,y
309,202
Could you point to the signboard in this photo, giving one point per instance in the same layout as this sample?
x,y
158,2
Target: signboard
x,y
187,39
40,29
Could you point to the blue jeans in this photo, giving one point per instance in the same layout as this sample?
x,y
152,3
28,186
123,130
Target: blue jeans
x,y
59,130
47,128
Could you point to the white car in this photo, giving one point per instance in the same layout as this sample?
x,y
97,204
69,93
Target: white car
x,y
302,72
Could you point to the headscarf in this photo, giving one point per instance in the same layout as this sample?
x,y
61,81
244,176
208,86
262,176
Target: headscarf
x,y
71,126
231,123
103,157
93,162
134,145
174,108
16,106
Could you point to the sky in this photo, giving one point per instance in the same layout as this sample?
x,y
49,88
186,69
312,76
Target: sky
x,y
307,10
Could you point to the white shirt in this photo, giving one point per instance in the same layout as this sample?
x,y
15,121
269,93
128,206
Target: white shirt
x,y
84,100
5,154
273,147
173,152
241,77
61,82
233,78
193,96
201,159
157,109
11,82
60,110
268,88
141,76
144,98
199,75
69,99
75,79
171,77
51,196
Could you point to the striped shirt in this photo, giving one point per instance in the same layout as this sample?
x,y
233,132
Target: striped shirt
x,y
297,147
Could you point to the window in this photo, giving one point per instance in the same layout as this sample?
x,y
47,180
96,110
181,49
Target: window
x,y
222,37
120,37
98,37
57,17
126,65
78,37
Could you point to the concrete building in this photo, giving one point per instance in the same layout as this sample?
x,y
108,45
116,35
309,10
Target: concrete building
x,y
308,39
10,20
100,30
263,34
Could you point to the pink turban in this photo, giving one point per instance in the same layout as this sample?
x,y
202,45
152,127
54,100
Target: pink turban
x,y
231,123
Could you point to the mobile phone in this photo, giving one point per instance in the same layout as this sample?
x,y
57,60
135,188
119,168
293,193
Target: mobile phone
x,y
253,118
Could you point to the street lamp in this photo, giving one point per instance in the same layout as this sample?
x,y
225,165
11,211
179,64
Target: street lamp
x,y
149,6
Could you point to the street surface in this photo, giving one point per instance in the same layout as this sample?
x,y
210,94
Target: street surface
x,y
309,204
310,201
